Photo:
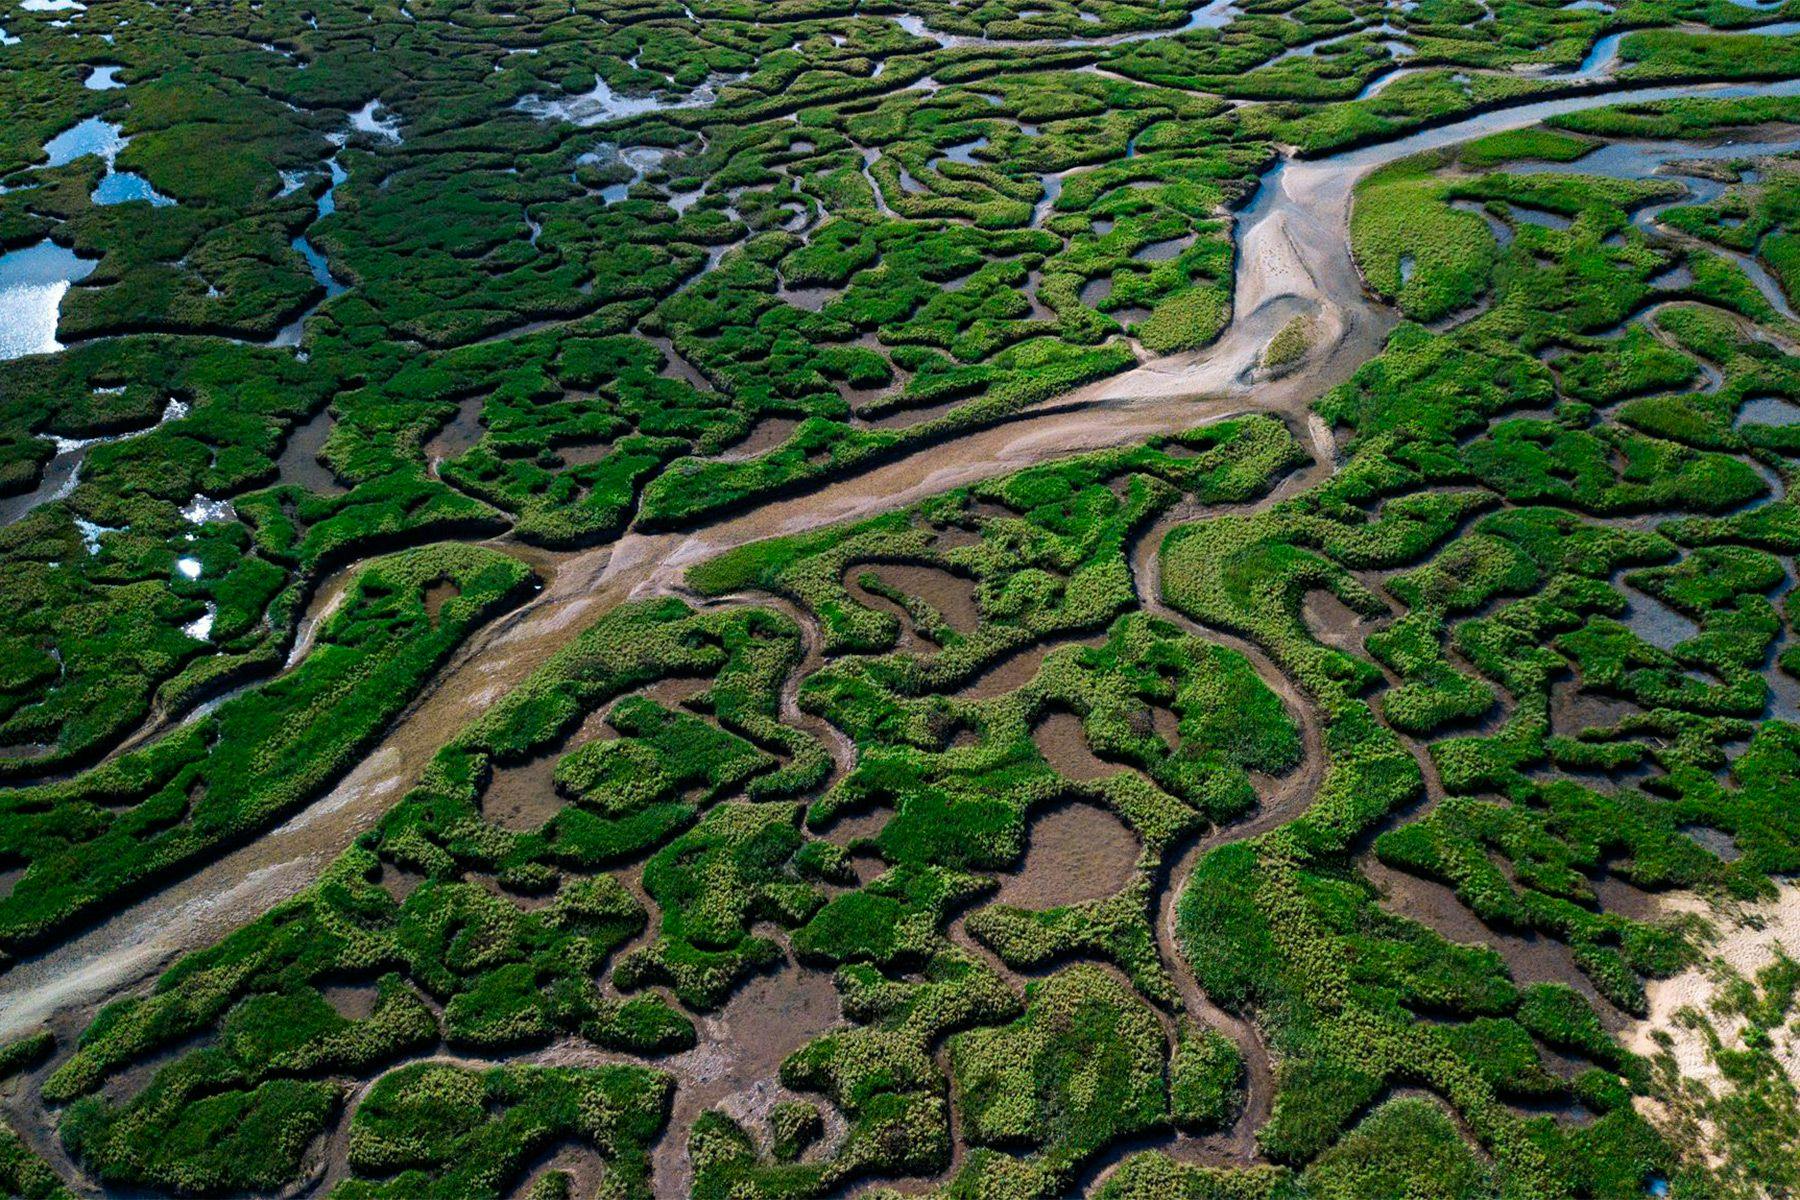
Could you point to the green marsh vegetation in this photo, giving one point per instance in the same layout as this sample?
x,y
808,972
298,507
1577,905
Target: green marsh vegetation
x,y
87,844
1524,650
1555,809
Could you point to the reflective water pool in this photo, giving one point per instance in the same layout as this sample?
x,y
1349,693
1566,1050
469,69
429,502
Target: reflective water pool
x,y
32,284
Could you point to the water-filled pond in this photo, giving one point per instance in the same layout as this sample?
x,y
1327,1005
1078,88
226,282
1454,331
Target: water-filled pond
x,y
94,136
125,187
601,104
32,284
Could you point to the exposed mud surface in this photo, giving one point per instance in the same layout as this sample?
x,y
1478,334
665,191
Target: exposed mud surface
x,y
1530,957
952,596
737,1062
299,464
582,454
1236,1145
1573,710
1018,669
1292,261
856,826
765,435
521,798
138,941
437,595
1333,622
1064,745
876,586
1073,852
1657,623
352,1001
458,435
1624,898
581,1164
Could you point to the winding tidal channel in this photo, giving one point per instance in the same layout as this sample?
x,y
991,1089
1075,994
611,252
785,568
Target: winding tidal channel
x,y
1292,259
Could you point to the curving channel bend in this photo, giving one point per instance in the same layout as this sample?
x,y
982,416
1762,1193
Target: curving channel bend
x,y
1293,258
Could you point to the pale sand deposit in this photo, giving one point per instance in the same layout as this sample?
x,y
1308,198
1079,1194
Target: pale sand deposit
x,y
1745,941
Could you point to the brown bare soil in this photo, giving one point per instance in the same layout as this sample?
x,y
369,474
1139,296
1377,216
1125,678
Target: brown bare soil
x,y
1073,852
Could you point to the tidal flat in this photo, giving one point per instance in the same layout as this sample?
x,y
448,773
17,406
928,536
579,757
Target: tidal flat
x,y
1046,599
